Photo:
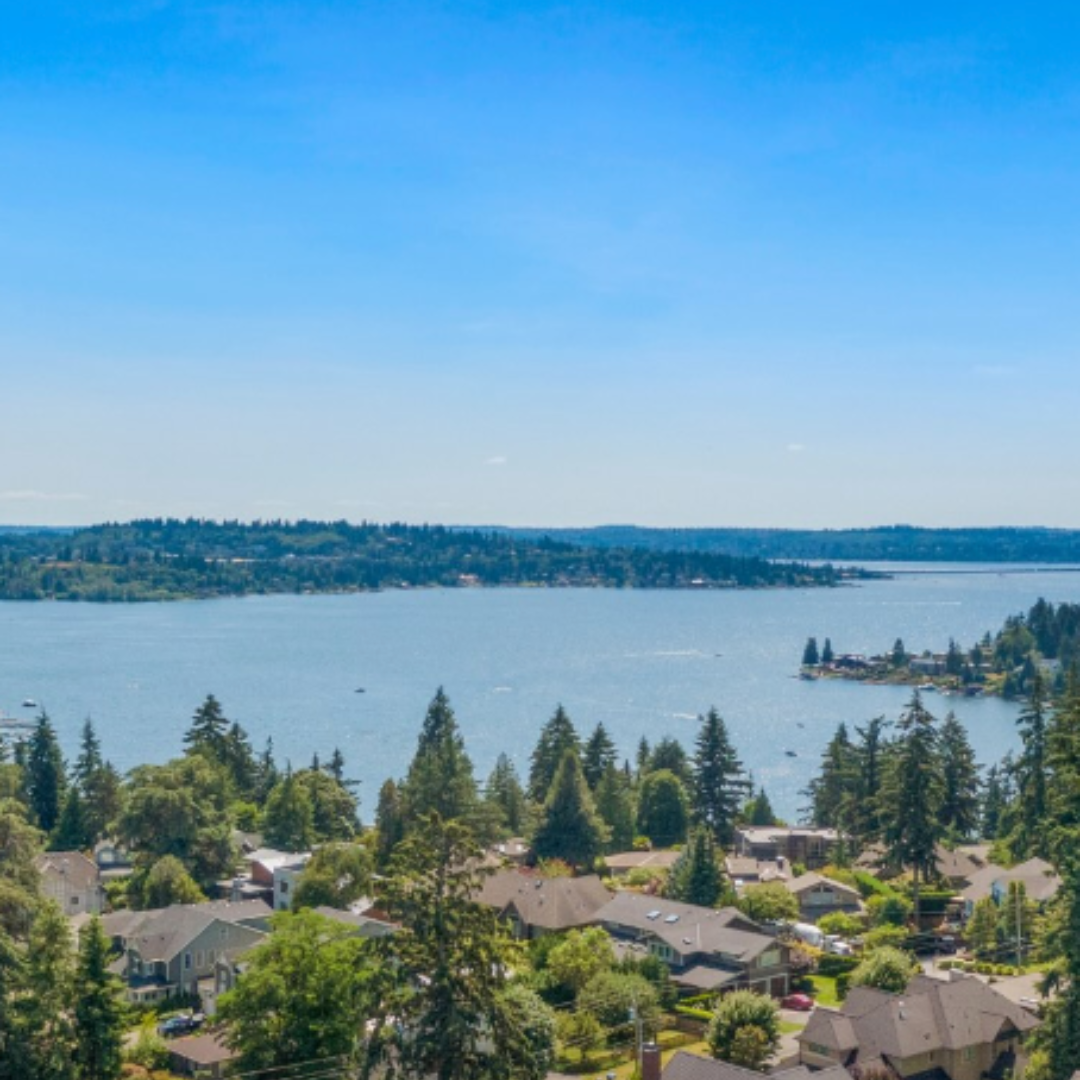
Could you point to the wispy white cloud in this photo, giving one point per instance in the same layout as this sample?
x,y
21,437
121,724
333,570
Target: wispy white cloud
x,y
497,460
40,496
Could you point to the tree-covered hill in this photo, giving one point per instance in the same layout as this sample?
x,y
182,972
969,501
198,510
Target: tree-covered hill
x,y
893,543
172,559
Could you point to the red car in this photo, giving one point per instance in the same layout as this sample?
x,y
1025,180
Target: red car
x,y
798,1002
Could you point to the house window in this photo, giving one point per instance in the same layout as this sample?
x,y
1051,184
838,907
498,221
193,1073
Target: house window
x,y
187,961
969,1053
284,887
817,1048
199,959
74,901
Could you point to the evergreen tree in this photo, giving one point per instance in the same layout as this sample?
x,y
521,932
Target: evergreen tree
x,y
914,789
89,760
1060,1033
831,790
102,799
72,832
696,877
440,778
99,1009
960,782
389,823
336,768
719,783
289,818
504,791
994,804
810,656
45,1001
443,1013
43,776
208,730
644,755
556,737
598,754
570,828
669,754
12,1041
870,752
1032,773
760,811
615,805
336,876
827,656
898,657
663,814
266,773
1063,753
238,757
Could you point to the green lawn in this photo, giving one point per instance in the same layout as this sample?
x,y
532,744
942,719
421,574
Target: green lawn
x,y
620,1061
824,990
789,1027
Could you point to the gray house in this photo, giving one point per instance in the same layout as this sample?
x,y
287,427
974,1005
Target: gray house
x,y
173,950
705,949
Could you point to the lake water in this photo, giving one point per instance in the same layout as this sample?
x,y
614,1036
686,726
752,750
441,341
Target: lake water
x,y
643,662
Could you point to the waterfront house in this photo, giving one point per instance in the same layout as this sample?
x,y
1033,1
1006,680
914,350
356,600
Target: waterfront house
x,y
961,1029
72,880
706,949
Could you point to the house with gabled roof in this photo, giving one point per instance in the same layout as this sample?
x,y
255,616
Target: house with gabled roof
x,y
706,949
960,1029
819,896
72,880
170,951
535,905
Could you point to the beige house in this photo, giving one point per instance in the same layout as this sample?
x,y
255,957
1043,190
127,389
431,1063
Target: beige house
x,y
625,861
961,1029
72,880
820,896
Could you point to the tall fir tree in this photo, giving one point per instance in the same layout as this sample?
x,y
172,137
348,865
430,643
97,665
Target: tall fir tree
x,y
719,782
960,782
440,778
505,792
696,877
289,818
599,752
389,823
208,730
1032,773
556,737
615,805
43,776
760,811
870,751
663,813
99,1009
89,760
914,789
72,832
831,790
570,828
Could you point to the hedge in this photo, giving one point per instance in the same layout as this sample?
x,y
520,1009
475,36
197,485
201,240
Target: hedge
x,y
831,965
697,1014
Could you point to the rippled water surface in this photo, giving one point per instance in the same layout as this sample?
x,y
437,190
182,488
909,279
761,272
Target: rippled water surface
x,y
642,662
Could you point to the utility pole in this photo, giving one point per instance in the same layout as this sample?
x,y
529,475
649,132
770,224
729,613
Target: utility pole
x,y
635,1015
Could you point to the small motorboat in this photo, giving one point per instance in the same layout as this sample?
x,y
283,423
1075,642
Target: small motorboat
x,y
360,690
791,753
29,703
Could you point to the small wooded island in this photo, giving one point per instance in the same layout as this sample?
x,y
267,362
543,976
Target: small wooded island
x,y
193,559
1042,645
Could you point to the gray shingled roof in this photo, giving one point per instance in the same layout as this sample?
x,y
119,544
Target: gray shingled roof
x,y
930,1015
811,881
547,903
1039,878
688,928
74,866
686,1066
161,933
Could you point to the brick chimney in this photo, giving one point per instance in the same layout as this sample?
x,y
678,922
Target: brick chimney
x,y
650,1061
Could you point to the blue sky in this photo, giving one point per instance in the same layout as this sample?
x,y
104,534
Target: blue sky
x,y
669,263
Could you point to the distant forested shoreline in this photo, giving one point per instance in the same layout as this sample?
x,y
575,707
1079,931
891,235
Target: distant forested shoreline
x,y
893,543
167,559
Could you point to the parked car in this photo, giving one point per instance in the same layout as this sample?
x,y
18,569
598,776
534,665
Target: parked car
x,y
798,1002
180,1025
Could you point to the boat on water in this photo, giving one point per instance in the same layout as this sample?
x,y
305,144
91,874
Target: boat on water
x,y
809,676
926,686
791,753
29,703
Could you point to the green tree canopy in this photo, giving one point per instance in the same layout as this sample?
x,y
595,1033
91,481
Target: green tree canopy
x,y
99,1008
440,779
720,785
598,755
769,902
557,736
886,968
744,1029
663,814
44,776
337,875
570,828
166,882
696,877
289,817
304,996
